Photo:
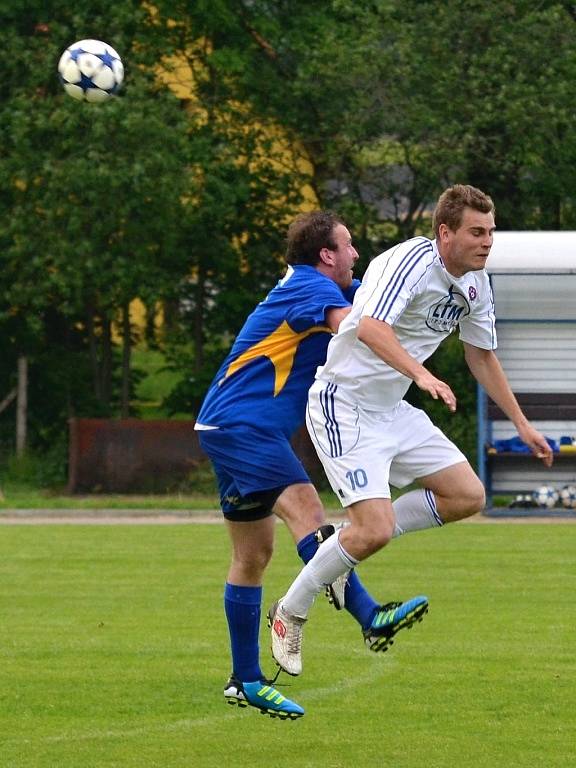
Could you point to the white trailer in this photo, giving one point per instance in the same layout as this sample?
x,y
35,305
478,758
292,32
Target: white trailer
x,y
533,277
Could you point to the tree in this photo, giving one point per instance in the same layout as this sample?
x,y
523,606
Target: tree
x,y
91,197
146,196
393,101
372,105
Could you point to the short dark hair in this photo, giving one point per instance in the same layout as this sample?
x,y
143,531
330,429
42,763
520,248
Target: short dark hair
x,y
308,234
452,202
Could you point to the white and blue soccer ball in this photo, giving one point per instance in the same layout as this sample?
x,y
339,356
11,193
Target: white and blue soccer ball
x,y
545,496
90,70
568,497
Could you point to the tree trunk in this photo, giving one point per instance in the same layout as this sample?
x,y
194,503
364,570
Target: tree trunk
x,y
199,319
106,367
126,354
93,348
22,406
8,399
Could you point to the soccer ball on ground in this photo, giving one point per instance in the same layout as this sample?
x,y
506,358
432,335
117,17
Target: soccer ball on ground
x,y
90,70
545,496
568,497
522,501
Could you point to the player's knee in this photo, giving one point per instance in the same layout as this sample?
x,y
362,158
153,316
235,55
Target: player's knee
x,y
473,501
300,508
478,501
263,555
370,539
312,518
251,565
379,539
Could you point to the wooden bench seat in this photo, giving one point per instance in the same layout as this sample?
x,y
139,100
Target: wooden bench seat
x,y
510,473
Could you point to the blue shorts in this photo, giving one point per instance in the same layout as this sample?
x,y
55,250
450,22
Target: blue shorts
x,y
252,468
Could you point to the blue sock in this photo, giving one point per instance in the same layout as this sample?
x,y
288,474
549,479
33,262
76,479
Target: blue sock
x,y
358,601
307,547
242,607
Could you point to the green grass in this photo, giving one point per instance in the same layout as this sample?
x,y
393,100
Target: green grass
x,y
19,496
30,498
114,652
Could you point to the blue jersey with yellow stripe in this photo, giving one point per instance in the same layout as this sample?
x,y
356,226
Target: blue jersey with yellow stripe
x,y
265,378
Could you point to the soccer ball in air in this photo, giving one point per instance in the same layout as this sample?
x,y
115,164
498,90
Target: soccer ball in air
x,y
568,497
90,70
545,496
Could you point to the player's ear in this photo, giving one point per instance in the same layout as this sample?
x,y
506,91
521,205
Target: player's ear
x,y
443,231
326,256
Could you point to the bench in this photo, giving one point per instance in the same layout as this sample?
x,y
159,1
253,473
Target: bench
x,y
510,473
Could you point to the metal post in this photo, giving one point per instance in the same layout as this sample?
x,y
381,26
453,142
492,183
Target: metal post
x,y
482,432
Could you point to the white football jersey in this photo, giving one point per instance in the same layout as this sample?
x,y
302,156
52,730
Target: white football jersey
x,y
409,288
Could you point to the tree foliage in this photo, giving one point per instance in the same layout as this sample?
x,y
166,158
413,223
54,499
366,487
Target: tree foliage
x,y
373,106
393,101
146,196
90,201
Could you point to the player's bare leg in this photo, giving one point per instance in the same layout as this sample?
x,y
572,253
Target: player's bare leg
x,y
458,491
252,545
371,528
300,507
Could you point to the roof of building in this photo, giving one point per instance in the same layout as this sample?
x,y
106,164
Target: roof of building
x,y
525,252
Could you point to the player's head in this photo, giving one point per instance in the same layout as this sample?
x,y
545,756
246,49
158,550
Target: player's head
x,y
453,202
308,234
320,239
464,228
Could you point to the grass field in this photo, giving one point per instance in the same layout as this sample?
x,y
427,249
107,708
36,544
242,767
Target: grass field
x,y
21,496
32,498
113,652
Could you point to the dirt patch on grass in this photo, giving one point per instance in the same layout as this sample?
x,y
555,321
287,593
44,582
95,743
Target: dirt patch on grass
x,y
165,517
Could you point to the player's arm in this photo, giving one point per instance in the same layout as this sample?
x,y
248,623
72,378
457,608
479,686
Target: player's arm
x,y
382,340
486,369
335,315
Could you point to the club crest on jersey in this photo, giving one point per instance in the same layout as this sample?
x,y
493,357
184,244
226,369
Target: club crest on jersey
x,y
445,315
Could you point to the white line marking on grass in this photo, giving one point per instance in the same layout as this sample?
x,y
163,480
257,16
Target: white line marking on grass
x,y
313,694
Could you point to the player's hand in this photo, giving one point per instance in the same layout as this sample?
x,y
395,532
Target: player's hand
x,y
537,444
438,389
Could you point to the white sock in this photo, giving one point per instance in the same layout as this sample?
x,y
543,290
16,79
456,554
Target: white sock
x,y
415,511
329,562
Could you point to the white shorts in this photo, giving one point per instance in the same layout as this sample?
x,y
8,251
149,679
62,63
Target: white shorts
x,y
364,452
